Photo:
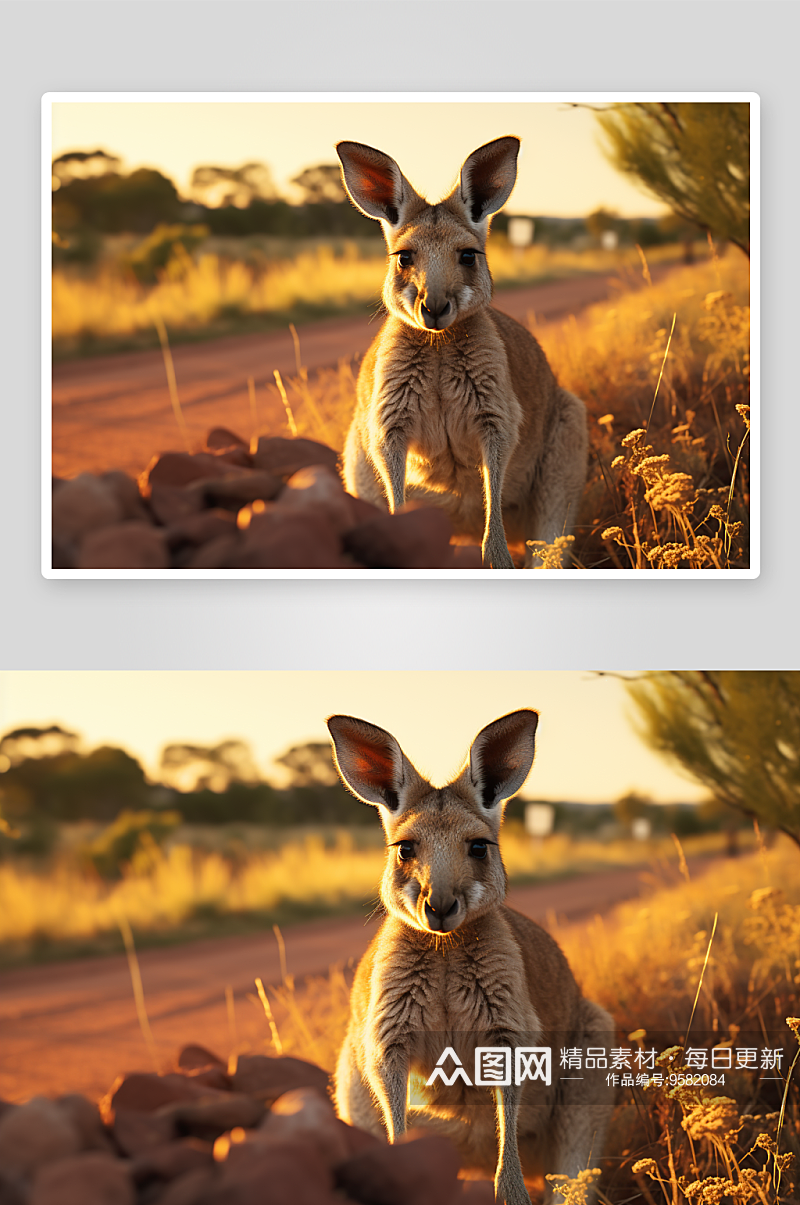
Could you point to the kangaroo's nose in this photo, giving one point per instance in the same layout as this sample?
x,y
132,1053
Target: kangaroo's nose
x,y
434,312
438,911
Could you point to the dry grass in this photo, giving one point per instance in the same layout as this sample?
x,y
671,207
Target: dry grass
x,y
215,289
167,894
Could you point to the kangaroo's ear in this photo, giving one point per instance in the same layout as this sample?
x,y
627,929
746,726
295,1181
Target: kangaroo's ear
x,y
371,763
488,177
502,755
375,183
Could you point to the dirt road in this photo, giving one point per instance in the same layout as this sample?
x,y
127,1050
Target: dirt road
x,y
73,1026
115,411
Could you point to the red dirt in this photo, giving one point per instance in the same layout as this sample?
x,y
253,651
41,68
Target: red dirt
x,y
114,412
72,1027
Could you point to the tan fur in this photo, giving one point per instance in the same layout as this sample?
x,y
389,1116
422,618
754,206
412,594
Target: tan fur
x,y
457,404
452,965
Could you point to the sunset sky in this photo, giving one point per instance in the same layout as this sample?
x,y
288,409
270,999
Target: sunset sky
x,y
586,747
562,171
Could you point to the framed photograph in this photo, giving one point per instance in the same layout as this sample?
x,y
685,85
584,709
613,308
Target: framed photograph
x,y
348,335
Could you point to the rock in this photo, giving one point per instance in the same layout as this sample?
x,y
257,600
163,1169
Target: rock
x,y
285,457
173,503
211,1077
85,1116
474,1192
126,490
124,546
285,540
410,539
267,1078
91,1178
319,486
135,1133
181,468
218,553
172,1159
466,556
304,1113
423,1170
213,1114
34,1134
82,505
295,1173
236,456
190,1188
220,438
238,489
200,528
141,1092
193,1057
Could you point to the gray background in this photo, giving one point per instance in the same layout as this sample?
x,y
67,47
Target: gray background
x,y
436,45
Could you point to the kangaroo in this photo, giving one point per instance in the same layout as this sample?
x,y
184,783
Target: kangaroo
x,y
452,968
456,403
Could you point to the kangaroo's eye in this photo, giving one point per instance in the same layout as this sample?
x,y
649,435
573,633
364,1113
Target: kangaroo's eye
x,y
468,258
478,849
405,851
404,259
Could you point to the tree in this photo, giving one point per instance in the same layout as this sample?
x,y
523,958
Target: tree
x,y
23,743
736,732
695,156
208,767
321,183
310,765
238,186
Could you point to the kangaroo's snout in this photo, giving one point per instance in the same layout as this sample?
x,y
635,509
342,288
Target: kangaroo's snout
x,y
435,312
442,913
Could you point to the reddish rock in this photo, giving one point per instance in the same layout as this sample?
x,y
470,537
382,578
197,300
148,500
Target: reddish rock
x,y
306,1114
238,489
466,556
410,539
193,1058
172,1159
315,486
236,456
287,1174
424,1171
221,439
88,1179
126,490
144,1093
214,1113
173,503
211,1077
219,553
268,1078
286,456
34,1134
285,540
124,546
181,468
190,1188
200,528
85,1116
135,1133
82,505
474,1192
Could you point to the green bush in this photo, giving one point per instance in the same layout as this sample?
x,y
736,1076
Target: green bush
x,y
165,250
131,833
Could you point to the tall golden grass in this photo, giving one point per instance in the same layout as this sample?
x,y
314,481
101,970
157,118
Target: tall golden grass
x,y
212,289
182,889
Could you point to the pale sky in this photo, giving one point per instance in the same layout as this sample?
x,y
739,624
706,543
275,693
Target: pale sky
x,y
586,747
562,171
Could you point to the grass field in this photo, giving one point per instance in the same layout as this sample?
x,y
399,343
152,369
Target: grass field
x,y
224,288
193,890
